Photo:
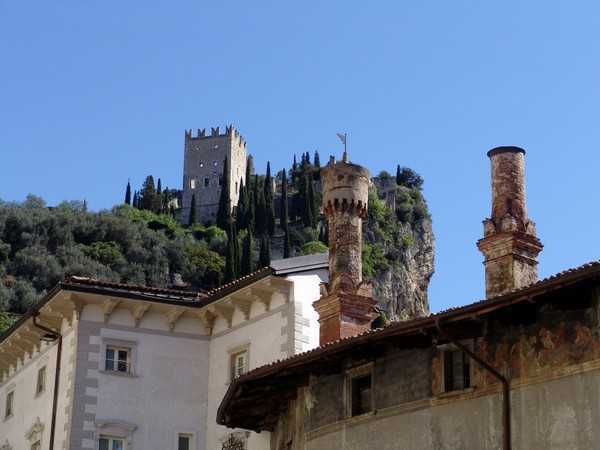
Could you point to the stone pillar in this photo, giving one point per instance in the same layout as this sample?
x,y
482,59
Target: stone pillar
x,y
346,307
510,246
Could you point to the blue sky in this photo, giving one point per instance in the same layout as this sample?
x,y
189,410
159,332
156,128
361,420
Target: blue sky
x,y
94,93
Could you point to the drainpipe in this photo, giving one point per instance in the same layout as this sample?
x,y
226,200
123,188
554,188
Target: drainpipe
x,y
506,441
57,336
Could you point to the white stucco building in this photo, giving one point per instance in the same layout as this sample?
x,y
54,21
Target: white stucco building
x,y
146,368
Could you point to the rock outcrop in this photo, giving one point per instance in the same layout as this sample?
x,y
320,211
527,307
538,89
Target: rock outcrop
x,y
399,248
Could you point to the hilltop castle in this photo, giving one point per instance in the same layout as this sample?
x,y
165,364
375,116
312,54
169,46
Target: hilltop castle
x,y
203,160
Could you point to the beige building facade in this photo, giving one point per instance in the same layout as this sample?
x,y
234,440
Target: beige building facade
x,y
145,368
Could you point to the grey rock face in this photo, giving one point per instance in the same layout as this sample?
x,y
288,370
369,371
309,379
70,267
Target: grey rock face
x,y
405,238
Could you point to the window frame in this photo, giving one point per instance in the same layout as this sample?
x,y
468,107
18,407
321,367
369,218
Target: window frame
x,y
119,344
352,375
41,374
114,429
9,404
111,440
451,348
189,434
232,354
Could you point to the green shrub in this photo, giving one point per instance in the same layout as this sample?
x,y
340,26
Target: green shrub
x,y
313,247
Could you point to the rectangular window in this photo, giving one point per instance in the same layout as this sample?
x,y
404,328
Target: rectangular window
x,y
206,181
9,407
41,381
118,359
239,363
361,387
192,184
110,443
184,442
457,371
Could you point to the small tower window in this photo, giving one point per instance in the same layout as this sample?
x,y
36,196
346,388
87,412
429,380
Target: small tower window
x,y
215,163
206,181
220,181
192,184
201,164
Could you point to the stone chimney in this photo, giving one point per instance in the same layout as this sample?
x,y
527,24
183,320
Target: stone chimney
x,y
346,306
509,245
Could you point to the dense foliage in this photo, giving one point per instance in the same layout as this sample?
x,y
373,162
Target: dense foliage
x,y
39,246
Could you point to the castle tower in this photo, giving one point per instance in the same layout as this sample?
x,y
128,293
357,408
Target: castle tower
x,y
203,170
509,245
346,307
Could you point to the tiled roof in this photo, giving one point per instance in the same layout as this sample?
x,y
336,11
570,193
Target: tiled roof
x,y
165,293
300,263
556,281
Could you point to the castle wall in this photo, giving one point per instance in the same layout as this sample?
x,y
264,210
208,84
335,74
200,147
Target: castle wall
x,y
203,170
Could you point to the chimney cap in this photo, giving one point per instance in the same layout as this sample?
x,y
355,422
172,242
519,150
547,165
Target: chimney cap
x,y
505,149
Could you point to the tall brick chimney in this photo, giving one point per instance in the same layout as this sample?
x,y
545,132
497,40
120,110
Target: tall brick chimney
x,y
509,245
346,307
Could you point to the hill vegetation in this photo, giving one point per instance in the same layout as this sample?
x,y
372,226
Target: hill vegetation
x,y
143,243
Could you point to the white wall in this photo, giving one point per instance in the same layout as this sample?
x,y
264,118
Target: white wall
x,y
306,292
27,405
263,334
167,393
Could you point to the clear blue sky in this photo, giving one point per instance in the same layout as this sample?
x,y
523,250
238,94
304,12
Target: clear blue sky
x,y
94,93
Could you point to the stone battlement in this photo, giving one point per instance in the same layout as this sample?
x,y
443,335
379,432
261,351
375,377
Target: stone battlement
x,y
345,187
215,132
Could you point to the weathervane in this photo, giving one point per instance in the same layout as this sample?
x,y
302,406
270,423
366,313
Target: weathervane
x,y
344,138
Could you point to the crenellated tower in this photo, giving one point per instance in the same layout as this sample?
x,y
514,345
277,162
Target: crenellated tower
x,y
346,307
510,245
203,170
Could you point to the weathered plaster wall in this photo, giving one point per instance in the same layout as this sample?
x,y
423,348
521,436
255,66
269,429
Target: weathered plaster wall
x,y
558,414
550,354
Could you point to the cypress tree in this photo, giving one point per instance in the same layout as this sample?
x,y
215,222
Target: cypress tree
x,y
230,262
307,210
192,218
224,210
307,158
247,255
293,171
128,194
251,213
241,211
312,205
261,214
148,194
249,170
265,252
398,175
236,250
158,199
269,206
317,160
284,215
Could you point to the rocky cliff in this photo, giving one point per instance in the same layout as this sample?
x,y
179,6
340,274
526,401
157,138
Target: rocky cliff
x,y
398,254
